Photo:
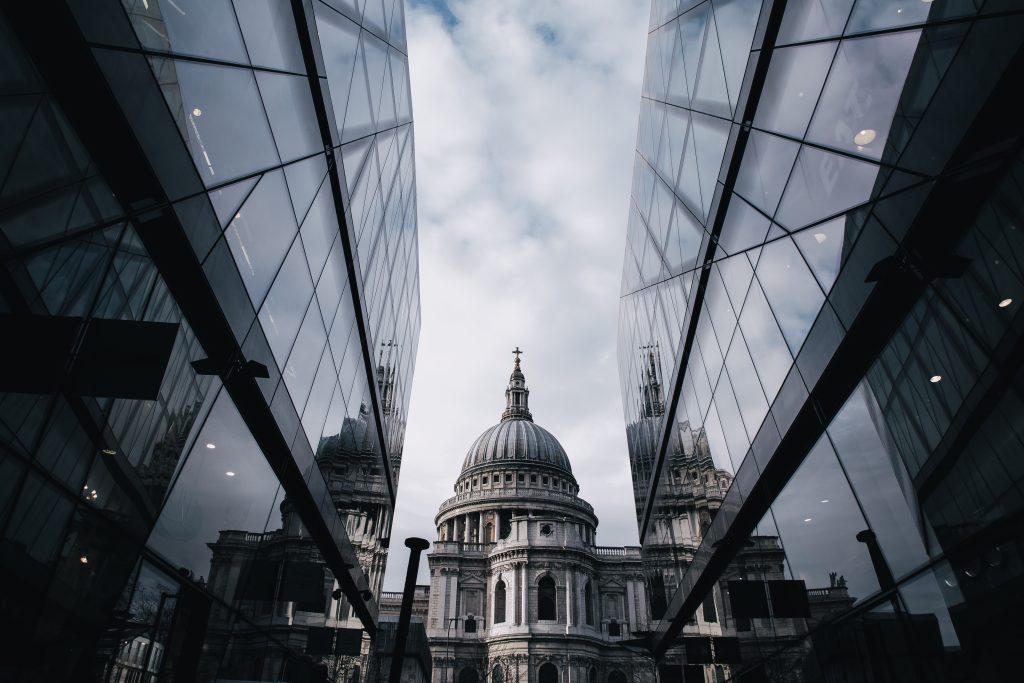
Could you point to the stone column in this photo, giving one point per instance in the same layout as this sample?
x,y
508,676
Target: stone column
x,y
524,600
465,528
569,595
454,592
480,527
511,606
631,610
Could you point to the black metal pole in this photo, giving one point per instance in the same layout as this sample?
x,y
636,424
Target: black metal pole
x,y
415,546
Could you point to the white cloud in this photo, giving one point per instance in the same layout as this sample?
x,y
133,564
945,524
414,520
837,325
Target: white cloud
x,y
525,118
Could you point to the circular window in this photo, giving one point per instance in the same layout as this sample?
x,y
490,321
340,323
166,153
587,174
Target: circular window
x,y
545,529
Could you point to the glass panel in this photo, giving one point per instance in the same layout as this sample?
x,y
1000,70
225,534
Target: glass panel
x,y
736,20
286,303
791,89
290,108
339,39
823,185
225,488
768,348
819,521
304,181
270,37
711,136
260,233
822,246
206,28
809,19
319,230
863,88
220,115
767,162
305,357
794,295
743,228
880,481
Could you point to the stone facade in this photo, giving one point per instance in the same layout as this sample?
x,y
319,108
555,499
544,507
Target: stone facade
x,y
519,591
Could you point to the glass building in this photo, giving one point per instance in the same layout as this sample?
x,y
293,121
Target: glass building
x,y
210,311
820,339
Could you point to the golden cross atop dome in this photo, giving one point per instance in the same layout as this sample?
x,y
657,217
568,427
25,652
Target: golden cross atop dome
x,y
517,352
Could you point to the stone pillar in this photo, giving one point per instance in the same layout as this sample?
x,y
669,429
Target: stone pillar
x,y
524,600
480,527
511,606
465,528
642,593
569,594
581,599
631,608
453,601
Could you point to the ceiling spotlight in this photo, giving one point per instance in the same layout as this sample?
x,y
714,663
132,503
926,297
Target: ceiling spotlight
x,y
1005,302
108,451
865,137
808,519
83,559
197,112
211,446
824,500
230,474
820,237
899,11
935,379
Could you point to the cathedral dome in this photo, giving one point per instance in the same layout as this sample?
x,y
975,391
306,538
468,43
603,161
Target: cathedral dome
x,y
517,440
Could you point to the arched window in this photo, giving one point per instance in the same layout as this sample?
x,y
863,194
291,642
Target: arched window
x,y
592,675
470,626
496,675
548,673
469,675
499,602
614,629
353,677
546,600
659,601
616,677
588,603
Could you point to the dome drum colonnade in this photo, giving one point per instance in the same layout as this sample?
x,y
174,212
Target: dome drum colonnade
x,y
515,570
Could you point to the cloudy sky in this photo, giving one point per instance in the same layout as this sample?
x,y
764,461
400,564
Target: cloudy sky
x,y
525,118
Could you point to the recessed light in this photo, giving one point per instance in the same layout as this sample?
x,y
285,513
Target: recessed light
x,y
108,451
947,581
1005,302
935,379
83,559
865,137
230,474
808,519
820,237
899,11
824,500
197,112
211,446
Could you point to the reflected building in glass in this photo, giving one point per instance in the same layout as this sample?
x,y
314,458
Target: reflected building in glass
x,y
210,306
820,342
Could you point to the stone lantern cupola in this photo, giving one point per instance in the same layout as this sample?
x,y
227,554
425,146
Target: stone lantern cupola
x,y
517,396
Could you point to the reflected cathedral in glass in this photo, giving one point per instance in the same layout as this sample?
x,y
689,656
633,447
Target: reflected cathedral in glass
x,y
210,305
820,339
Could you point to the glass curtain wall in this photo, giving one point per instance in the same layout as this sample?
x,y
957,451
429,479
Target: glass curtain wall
x,y
219,197
819,343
